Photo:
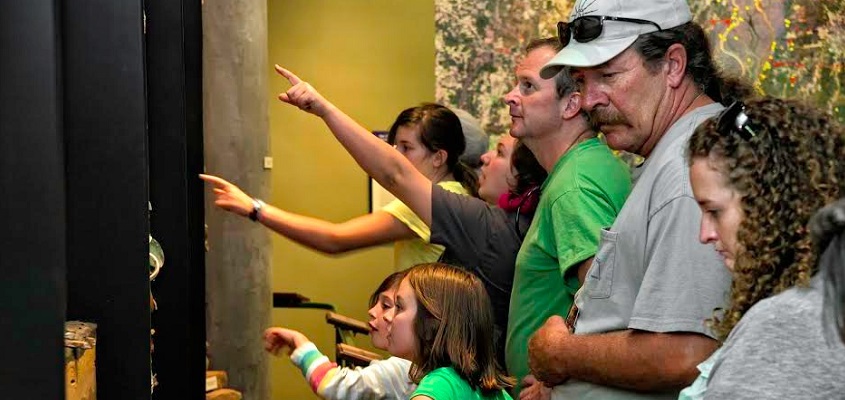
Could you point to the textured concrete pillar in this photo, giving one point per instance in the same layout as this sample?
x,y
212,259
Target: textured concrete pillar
x,y
235,70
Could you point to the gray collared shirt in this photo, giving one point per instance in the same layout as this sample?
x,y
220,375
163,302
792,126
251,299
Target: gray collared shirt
x,y
651,273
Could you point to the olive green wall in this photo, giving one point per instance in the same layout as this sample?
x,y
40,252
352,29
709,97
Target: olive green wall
x,y
372,58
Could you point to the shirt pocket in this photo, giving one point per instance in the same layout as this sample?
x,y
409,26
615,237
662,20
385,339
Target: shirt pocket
x,y
600,276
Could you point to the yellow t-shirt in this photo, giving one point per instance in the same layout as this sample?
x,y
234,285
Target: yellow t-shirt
x,y
407,253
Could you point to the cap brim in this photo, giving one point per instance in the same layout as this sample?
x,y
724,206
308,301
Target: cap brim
x,y
590,54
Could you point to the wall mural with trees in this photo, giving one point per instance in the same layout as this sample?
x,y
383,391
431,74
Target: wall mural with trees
x,y
784,48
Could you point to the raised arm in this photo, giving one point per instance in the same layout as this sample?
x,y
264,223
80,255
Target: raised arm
x,y
386,165
327,237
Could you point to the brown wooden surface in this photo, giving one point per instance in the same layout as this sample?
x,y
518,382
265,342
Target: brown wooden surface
x,y
359,355
347,323
215,380
223,394
80,360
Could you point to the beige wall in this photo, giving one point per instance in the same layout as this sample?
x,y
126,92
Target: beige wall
x,y
372,58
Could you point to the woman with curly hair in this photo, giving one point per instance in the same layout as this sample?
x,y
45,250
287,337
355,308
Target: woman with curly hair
x,y
759,172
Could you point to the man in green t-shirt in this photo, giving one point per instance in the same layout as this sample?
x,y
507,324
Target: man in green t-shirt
x,y
586,187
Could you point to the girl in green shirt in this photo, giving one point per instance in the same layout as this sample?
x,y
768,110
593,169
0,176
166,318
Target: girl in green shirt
x,y
443,323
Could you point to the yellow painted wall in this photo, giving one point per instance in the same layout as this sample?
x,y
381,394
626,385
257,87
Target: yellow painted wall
x,y
372,58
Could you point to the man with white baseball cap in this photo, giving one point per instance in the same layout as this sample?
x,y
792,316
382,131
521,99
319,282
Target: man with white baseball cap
x,y
647,80
597,39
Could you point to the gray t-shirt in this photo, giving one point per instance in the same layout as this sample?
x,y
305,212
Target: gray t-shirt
x,y
778,351
651,273
484,240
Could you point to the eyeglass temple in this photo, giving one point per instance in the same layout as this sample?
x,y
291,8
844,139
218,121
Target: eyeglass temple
x,y
634,20
741,123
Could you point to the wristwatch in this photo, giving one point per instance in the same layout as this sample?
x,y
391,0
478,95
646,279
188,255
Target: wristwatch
x,y
257,205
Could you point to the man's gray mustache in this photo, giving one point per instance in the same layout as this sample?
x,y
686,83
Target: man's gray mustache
x,y
607,117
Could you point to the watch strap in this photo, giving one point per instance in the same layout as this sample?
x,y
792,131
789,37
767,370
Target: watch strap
x,y
257,205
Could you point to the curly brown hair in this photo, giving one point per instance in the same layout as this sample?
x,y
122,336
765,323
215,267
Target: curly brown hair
x,y
791,167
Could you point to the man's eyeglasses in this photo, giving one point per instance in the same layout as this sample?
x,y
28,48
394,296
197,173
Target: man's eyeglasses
x,y
587,28
735,120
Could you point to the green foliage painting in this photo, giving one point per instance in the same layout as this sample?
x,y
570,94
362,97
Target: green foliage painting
x,y
785,48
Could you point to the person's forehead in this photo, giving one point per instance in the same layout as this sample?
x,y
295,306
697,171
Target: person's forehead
x,y
406,133
407,128
507,140
708,171
629,57
534,60
404,286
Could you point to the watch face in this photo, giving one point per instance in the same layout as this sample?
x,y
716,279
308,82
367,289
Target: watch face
x,y
156,258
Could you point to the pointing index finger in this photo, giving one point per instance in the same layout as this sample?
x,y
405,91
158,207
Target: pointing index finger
x,y
214,179
290,76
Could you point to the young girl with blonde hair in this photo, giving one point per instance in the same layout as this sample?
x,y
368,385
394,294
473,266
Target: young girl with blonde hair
x,y
442,322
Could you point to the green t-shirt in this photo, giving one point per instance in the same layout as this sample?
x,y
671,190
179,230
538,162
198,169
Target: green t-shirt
x,y
582,194
445,384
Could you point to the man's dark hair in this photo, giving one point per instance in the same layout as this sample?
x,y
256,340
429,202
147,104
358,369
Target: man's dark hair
x,y
700,66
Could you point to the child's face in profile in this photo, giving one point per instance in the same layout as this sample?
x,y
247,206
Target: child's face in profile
x,y
401,341
378,326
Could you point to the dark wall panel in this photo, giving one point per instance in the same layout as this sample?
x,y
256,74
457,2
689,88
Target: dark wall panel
x,y
107,187
75,172
174,84
32,239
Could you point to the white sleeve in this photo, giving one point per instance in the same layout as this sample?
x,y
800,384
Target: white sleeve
x,y
381,380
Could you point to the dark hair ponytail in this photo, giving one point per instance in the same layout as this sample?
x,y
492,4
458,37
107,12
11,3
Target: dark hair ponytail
x,y
467,177
529,173
828,229
440,129
701,67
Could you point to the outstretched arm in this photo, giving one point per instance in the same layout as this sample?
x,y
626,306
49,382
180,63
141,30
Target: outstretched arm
x,y
386,379
386,165
327,237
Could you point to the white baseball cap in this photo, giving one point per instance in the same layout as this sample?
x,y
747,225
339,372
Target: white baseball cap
x,y
616,36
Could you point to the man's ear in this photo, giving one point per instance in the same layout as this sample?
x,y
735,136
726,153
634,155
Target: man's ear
x,y
675,64
572,107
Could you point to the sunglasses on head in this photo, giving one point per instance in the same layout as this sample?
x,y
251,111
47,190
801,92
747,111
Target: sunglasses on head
x,y
735,120
587,28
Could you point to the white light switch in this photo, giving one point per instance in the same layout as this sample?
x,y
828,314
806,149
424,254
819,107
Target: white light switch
x,y
268,162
